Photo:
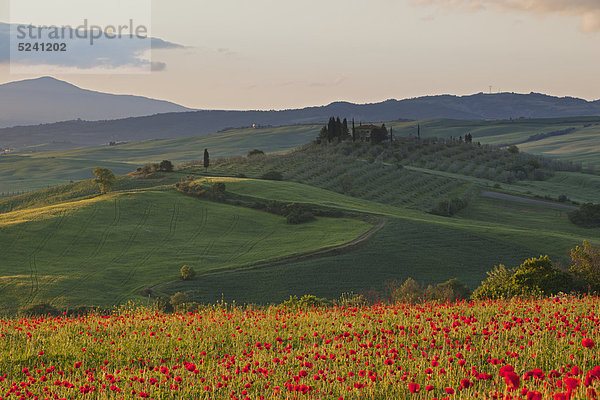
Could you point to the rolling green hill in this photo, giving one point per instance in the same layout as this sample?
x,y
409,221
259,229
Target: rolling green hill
x,y
103,250
574,139
71,246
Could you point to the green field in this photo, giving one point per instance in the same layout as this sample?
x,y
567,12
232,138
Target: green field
x,y
36,170
70,246
105,250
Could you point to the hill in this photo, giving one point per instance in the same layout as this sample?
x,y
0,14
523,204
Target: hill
x,y
46,100
69,246
74,134
104,250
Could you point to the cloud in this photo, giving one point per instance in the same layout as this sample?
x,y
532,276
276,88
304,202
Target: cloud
x,y
587,10
104,55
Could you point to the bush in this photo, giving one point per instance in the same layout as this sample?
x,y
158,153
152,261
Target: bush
x,y
178,299
298,216
307,301
39,309
536,277
513,149
450,290
588,216
585,265
187,273
563,198
255,152
273,176
410,291
165,166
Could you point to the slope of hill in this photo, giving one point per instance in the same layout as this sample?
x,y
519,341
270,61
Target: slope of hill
x,y
104,250
172,125
47,100
70,246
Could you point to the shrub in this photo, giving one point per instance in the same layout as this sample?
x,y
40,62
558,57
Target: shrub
x,y
165,166
410,291
273,176
563,198
535,277
39,309
299,216
307,301
187,273
178,299
513,149
450,290
588,216
585,264
255,152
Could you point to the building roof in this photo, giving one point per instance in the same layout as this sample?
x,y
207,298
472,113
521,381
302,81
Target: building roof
x,y
368,127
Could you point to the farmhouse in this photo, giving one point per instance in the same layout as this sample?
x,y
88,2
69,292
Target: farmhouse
x,y
364,132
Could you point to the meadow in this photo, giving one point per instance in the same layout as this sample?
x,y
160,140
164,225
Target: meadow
x,y
40,167
104,250
516,349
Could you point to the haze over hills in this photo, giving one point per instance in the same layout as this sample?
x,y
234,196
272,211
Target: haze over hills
x,y
47,100
50,99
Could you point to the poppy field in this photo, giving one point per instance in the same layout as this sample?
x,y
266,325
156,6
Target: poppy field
x,y
514,349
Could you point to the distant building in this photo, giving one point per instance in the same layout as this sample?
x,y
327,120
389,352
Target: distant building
x,y
364,132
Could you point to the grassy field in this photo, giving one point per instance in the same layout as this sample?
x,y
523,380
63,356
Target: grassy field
x,y
575,139
487,233
46,168
104,250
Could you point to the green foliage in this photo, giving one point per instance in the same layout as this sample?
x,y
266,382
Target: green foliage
x,y
538,274
299,216
273,175
256,152
535,277
451,290
187,273
588,216
497,285
306,302
165,166
105,179
512,149
379,135
410,291
178,299
39,309
206,162
585,264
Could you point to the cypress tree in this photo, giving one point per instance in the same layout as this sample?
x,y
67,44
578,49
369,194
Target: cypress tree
x,y
206,160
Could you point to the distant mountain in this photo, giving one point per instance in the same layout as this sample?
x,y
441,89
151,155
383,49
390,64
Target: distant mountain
x,y
46,100
171,125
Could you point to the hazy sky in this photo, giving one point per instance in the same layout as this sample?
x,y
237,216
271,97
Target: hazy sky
x,y
273,54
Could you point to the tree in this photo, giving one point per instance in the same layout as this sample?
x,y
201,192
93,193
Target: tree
x,y
585,264
165,166
330,129
353,131
105,179
513,149
345,131
379,135
206,160
187,272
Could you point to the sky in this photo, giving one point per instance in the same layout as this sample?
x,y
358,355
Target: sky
x,y
277,54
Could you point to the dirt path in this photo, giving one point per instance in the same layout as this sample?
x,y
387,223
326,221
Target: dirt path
x,y
525,200
324,252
